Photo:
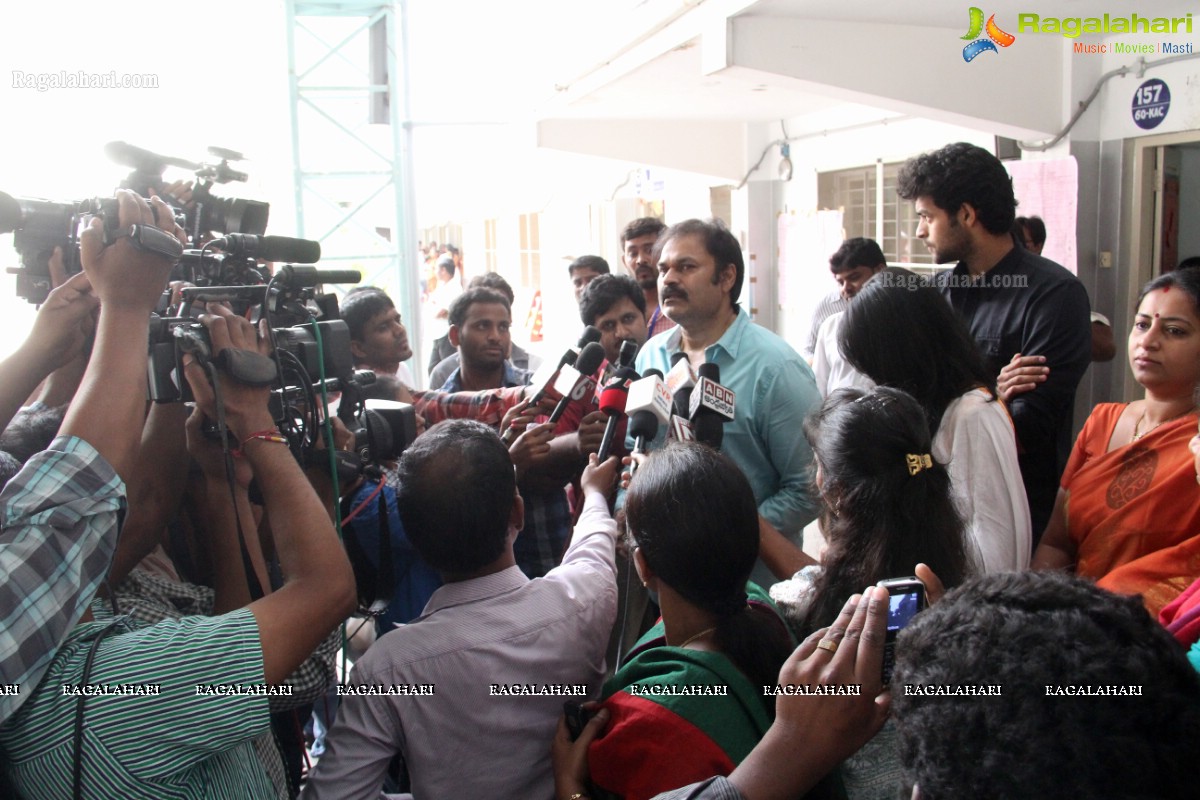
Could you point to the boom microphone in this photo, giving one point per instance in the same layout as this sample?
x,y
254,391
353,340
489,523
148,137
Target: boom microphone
x,y
299,276
272,248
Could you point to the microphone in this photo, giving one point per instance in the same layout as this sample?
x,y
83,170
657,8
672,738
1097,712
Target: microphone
x,y
681,429
680,380
614,396
581,383
298,277
273,248
128,155
710,406
680,375
649,405
543,380
547,377
590,334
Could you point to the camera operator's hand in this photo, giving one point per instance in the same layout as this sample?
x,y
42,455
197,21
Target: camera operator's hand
x,y
123,276
599,477
246,409
343,437
209,454
63,324
181,192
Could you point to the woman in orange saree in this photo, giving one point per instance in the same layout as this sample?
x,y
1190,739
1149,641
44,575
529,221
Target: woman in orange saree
x,y
1128,513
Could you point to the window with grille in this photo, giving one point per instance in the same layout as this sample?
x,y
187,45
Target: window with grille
x,y
892,223
490,259
531,252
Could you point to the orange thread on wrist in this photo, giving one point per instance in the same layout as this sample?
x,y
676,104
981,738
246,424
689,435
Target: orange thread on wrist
x,y
269,435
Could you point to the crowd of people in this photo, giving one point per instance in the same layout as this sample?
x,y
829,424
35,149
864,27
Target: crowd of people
x,y
585,577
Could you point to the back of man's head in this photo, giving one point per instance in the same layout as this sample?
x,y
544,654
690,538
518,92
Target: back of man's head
x,y
456,496
962,173
446,264
494,281
1033,634
643,226
360,305
857,252
594,264
31,431
1035,227
605,291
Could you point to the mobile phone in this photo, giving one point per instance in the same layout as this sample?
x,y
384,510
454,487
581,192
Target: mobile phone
x,y
577,716
906,596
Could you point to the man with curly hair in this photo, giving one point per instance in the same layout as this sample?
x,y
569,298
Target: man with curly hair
x,y
1096,699
1015,303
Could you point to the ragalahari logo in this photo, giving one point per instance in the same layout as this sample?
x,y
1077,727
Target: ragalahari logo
x,y
995,36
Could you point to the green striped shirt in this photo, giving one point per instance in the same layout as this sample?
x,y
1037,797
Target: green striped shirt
x,y
176,743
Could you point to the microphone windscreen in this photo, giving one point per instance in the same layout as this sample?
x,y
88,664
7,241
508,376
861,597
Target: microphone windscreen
x,y
612,399
709,429
644,424
590,358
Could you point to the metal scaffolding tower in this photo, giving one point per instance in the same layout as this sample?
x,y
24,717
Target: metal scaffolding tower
x,y
352,142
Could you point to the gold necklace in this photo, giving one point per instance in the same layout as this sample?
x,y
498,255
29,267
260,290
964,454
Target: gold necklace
x,y
704,632
1142,419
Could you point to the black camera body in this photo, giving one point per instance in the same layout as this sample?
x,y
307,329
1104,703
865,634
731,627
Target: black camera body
x,y
39,226
383,430
173,337
205,211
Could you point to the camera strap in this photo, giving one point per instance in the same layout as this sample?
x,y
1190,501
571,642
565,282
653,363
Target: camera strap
x,y
255,587
385,587
150,239
77,769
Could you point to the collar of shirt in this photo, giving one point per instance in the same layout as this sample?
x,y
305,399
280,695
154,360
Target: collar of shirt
x,y
513,376
1007,264
729,343
476,589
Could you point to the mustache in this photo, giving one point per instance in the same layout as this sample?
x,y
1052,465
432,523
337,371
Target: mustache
x,y
672,291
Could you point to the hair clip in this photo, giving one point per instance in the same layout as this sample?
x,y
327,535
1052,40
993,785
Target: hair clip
x,y
916,463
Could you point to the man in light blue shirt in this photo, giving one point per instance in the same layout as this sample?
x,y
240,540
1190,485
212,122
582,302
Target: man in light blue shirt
x,y
700,275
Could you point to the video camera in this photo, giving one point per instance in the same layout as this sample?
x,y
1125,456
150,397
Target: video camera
x,y
310,358
205,212
39,225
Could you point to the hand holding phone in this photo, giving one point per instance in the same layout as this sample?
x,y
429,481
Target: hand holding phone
x,y
577,716
906,597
